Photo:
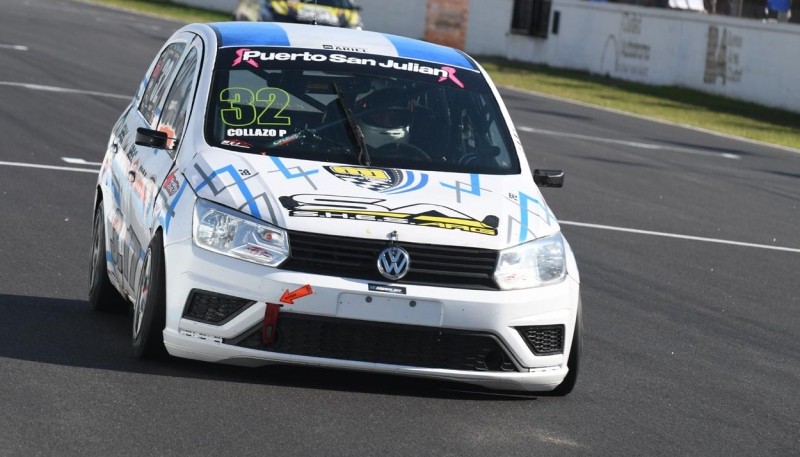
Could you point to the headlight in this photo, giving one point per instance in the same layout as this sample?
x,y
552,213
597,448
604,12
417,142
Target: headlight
x,y
228,232
533,264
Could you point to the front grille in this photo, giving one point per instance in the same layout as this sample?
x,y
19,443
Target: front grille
x,y
544,339
213,308
394,344
444,266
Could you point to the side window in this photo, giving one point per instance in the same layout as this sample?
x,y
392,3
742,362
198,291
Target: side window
x,y
179,101
157,82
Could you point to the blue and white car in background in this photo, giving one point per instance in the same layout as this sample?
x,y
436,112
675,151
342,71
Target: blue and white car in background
x,y
283,193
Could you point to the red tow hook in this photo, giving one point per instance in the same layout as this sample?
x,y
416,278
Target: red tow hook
x,y
269,330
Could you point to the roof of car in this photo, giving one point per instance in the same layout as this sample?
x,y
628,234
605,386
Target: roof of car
x,y
241,34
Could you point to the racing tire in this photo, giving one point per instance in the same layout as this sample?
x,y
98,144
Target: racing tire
x,y
103,296
574,361
149,310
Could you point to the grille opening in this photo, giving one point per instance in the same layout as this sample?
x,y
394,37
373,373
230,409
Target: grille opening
x,y
377,342
432,265
213,308
543,339
496,360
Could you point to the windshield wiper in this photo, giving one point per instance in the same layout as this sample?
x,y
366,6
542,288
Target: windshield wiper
x,y
361,142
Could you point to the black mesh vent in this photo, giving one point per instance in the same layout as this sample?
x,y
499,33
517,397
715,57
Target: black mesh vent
x,y
445,266
394,344
213,308
544,339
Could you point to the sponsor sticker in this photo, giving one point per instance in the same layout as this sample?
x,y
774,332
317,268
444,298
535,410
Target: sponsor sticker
x,y
369,209
171,185
376,179
387,289
333,47
254,58
236,143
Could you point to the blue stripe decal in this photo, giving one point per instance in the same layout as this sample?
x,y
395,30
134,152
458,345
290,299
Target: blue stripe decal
x,y
409,181
422,183
415,49
523,220
287,173
240,184
251,34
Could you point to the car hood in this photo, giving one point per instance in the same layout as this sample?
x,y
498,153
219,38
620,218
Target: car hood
x,y
482,211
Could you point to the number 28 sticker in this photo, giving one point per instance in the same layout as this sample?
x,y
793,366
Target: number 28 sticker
x,y
244,108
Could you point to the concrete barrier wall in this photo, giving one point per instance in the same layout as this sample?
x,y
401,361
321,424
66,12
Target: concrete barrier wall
x,y
398,17
738,58
225,6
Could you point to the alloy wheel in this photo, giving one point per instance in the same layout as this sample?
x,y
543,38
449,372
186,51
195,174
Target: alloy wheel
x,y
141,301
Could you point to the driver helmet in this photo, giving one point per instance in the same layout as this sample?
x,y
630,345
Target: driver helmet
x,y
385,117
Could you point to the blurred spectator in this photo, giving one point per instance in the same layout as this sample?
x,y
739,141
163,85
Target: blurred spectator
x,y
779,10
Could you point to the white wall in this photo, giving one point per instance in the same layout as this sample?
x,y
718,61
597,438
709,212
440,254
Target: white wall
x,y
225,6
398,17
488,28
738,58
758,62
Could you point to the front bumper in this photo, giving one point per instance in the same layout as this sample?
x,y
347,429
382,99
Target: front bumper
x,y
495,315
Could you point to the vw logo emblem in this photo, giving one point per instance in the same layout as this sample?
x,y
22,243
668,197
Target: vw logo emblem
x,y
393,263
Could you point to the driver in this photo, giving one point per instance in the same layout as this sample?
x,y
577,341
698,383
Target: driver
x,y
385,117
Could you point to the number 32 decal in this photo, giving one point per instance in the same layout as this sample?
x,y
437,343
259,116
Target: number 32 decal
x,y
244,106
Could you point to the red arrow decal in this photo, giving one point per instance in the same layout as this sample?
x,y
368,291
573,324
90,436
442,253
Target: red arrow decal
x,y
290,297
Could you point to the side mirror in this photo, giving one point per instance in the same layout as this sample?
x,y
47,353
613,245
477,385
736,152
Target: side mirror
x,y
151,138
548,178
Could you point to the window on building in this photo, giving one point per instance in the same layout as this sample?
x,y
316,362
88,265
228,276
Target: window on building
x,y
531,17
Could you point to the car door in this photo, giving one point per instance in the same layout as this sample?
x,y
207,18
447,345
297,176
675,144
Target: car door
x,y
132,192
154,164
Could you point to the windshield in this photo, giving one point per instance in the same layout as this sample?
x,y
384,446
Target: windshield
x,y
330,106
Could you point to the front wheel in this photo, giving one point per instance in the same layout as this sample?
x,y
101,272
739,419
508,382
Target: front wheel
x,y
150,311
102,294
574,361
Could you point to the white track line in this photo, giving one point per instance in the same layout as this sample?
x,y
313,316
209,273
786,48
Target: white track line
x,y
75,161
682,237
49,167
633,144
64,90
15,47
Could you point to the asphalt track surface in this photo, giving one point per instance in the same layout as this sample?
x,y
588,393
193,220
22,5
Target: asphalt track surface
x,y
691,339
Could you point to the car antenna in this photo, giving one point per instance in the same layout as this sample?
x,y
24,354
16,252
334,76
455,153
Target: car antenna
x,y
314,21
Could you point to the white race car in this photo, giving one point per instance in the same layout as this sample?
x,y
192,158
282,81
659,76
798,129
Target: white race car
x,y
283,193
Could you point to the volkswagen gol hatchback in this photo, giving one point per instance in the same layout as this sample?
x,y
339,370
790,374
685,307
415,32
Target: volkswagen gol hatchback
x,y
336,198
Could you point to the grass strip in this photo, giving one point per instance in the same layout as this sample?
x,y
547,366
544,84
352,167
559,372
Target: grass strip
x,y
165,9
675,104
